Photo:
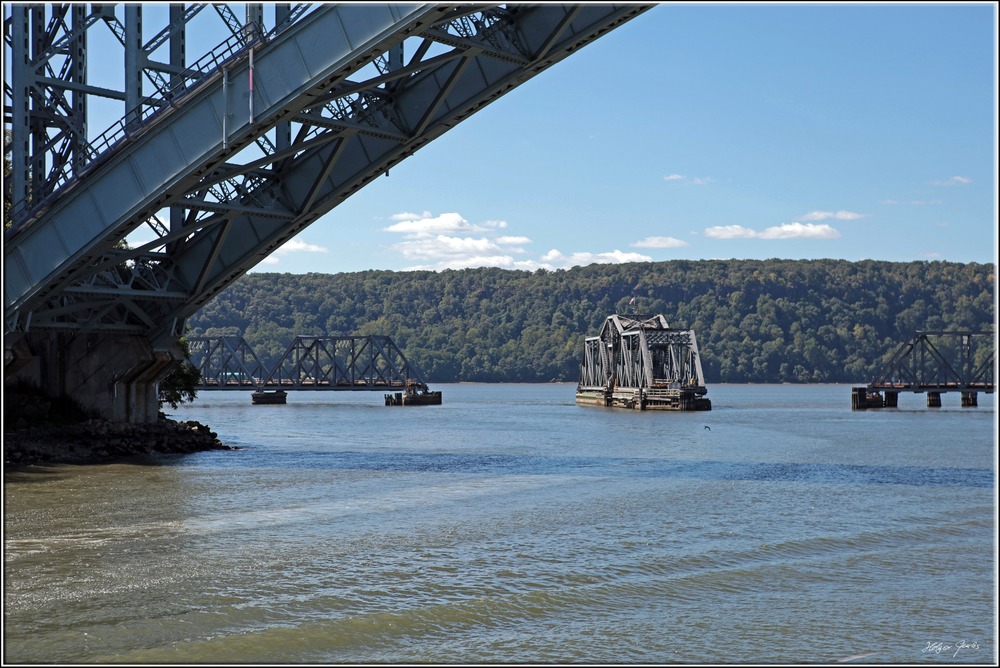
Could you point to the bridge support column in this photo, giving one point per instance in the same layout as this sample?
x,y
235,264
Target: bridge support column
x,y
862,398
115,375
933,400
891,399
970,399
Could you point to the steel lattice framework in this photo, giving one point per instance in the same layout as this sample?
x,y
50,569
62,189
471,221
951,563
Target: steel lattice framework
x,y
309,363
641,352
920,365
227,158
225,362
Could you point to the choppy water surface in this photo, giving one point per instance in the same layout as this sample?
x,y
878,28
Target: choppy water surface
x,y
510,525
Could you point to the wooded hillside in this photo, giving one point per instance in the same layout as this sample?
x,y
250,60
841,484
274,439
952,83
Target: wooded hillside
x,y
763,321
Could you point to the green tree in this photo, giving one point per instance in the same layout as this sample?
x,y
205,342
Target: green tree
x,y
179,385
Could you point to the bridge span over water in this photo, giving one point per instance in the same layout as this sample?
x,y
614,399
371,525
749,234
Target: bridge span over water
x,y
933,363
324,363
222,153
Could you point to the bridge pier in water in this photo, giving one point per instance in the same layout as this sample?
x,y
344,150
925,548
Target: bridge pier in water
x,y
116,375
933,362
863,398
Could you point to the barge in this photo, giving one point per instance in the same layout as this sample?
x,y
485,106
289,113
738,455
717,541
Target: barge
x,y
415,394
641,363
271,397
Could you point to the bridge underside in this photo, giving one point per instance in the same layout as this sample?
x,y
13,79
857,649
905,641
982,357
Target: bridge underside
x,y
221,161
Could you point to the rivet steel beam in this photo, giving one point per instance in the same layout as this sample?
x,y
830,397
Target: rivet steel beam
x,y
325,124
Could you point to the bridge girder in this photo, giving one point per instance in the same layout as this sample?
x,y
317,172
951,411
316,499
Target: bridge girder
x,y
371,362
940,361
641,352
269,177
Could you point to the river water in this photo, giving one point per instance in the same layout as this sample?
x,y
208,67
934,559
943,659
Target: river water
x,y
511,525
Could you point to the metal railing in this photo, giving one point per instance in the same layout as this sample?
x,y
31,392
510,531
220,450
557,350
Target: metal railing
x,y
137,120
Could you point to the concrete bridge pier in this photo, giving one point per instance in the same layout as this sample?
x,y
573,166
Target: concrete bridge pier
x,y
115,374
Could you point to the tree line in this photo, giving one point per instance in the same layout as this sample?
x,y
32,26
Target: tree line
x,y
760,321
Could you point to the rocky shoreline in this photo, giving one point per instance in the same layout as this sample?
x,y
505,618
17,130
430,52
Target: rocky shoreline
x,y
97,441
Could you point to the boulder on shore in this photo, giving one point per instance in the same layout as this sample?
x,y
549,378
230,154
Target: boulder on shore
x,y
98,440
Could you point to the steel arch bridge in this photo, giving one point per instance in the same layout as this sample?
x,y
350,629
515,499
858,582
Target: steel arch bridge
x,y
222,158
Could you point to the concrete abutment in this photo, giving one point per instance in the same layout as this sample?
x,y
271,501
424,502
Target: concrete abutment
x,y
116,375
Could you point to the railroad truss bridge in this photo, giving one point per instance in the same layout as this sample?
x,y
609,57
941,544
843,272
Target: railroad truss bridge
x,y
933,362
311,363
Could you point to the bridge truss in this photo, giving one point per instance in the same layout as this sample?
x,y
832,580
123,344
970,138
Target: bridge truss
x,y
344,363
212,162
223,160
920,364
933,362
641,362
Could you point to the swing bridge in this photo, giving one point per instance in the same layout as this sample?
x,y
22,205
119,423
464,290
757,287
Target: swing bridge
x,y
642,363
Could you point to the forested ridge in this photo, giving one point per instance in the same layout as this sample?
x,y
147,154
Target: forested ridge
x,y
763,321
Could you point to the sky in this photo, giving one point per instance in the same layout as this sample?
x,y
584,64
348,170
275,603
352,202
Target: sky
x,y
705,131
712,131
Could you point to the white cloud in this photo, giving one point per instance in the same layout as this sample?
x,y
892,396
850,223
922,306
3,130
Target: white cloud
x,y
292,246
730,232
514,241
616,256
799,231
837,215
443,246
694,181
952,181
660,242
410,216
295,246
786,231
444,242
415,226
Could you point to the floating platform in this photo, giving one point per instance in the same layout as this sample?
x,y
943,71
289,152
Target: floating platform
x,y
269,397
645,400
416,394
641,363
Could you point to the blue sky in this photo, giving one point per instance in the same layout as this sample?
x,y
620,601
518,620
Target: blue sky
x,y
709,131
703,131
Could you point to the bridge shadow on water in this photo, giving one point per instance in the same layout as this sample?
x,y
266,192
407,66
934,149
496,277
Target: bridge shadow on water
x,y
849,474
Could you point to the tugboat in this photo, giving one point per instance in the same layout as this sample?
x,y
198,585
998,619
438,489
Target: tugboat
x,y
642,363
416,393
